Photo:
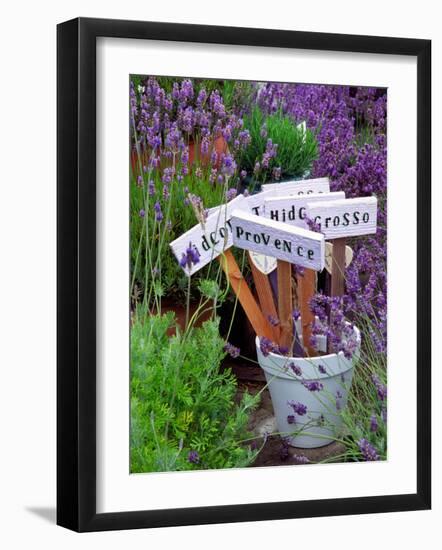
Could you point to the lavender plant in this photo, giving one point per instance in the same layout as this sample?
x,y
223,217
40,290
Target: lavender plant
x,y
183,410
278,148
183,148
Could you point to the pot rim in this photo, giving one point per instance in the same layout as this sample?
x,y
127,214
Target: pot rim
x,y
344,364
316,357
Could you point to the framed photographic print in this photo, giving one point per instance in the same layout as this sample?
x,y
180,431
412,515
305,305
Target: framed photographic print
x,y
243,271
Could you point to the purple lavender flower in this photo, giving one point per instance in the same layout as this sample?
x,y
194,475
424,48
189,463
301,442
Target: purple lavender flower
x,y
291,419
158,212
166,192
381,389
296,369
232,350
142,213
273,320
282,350
139,181
228,165
185,155
296,314
312,225
367,450
231,194
322,369
151,188
267,346
373,423
313,385
299,408
190,257
193,457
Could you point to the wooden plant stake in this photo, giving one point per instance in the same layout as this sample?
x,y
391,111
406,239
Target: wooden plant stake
x,y
306,290
260,325
265,296
338,267
337,276
285,304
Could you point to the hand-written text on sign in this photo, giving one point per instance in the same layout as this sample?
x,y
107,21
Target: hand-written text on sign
x,y
292,209
292,244
211,240
345,218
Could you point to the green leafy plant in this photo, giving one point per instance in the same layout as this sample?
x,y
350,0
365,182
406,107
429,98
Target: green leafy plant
x,y
296,147
183,410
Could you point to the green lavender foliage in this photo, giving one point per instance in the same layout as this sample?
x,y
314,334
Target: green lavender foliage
x,y
297,149
364,400
181,401
178,218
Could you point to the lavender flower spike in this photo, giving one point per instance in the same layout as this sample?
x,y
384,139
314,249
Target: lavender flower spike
x,y
367,450
193,457
190,257
298,408
232,350
313,385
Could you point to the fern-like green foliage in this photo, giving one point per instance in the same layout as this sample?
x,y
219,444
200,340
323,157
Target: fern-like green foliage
x,y
182,402
297,146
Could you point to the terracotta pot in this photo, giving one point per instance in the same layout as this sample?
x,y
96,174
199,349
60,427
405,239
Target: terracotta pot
x,y
219,144
180,314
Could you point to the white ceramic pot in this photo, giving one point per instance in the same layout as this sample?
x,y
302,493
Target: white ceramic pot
x,y
322,421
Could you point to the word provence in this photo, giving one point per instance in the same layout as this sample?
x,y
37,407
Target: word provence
x,y
279,240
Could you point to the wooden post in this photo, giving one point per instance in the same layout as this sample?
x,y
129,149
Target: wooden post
x,y
265,296
285,304
260,325
306,290
337,274
338,267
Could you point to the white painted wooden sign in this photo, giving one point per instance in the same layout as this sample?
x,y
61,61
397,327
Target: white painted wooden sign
x,y
292,209
292,189
288,188
279,240
299,187
212,239
346,217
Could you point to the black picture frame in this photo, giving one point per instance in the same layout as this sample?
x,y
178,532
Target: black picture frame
x,y
76,274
